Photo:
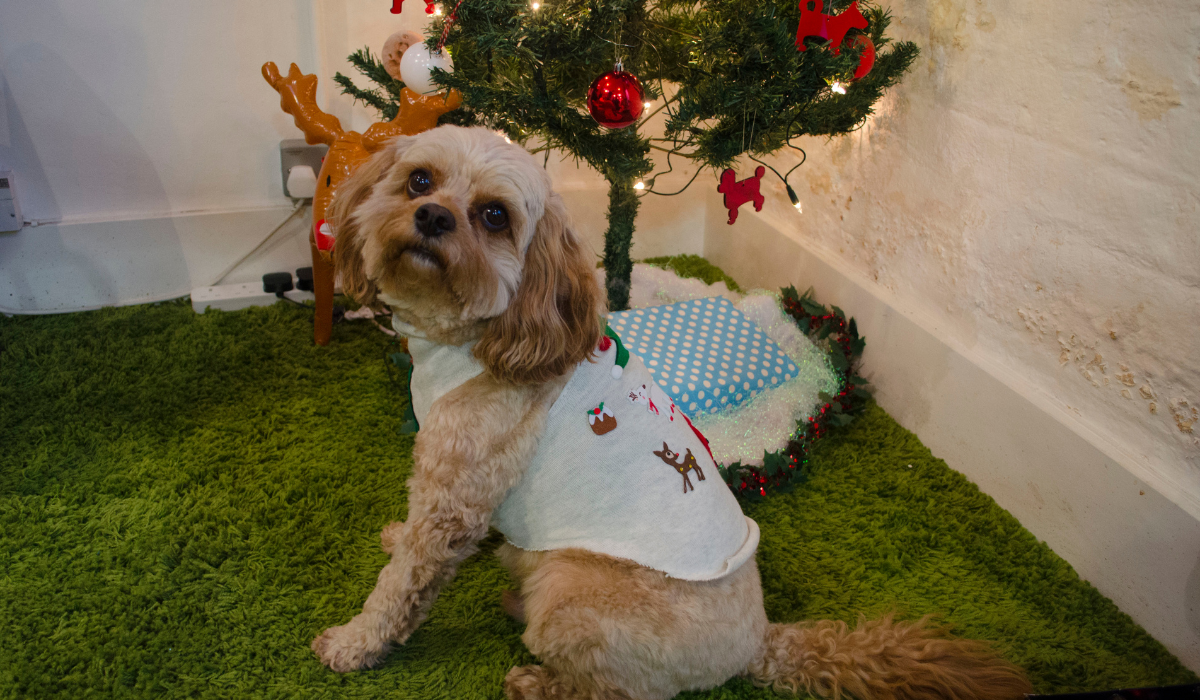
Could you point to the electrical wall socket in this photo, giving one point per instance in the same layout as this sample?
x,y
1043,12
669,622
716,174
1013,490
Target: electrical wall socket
x,y
293,152
10,209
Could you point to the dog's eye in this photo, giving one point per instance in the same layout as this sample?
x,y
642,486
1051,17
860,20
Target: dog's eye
x,y
495,216
419,183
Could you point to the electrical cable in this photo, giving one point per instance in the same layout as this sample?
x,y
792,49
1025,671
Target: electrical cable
x,y
301,204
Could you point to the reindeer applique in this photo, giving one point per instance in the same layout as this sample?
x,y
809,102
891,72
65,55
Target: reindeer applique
x,y
689,463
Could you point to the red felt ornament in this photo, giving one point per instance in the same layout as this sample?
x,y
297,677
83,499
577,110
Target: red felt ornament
x,y
616,99
738,192
812,22
848,19
833,28
429,6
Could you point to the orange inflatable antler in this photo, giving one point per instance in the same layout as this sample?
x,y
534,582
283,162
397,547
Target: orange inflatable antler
x,y
298,97
347,151
417,113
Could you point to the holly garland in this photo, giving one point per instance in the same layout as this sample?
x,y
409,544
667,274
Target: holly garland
x,y
787,468
784,469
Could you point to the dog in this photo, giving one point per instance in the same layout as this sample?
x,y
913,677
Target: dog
x,y
461,234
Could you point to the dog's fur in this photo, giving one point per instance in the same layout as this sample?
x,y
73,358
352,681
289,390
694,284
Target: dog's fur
x,y
603,627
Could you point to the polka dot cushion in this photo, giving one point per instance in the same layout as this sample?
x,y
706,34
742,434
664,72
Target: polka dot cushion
x,y
704,353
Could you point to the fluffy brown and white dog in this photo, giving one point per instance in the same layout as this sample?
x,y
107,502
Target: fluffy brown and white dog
x,y
462,236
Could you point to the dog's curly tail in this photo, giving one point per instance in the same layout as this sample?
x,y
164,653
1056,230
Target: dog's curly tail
x,y
883,660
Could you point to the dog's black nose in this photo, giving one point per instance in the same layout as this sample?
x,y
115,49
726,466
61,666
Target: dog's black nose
x,y
433,220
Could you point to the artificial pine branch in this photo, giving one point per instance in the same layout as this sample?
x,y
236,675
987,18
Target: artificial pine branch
x,y
742,87
387,108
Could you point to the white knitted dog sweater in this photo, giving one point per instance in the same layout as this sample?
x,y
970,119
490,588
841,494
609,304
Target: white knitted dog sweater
x,y
619,470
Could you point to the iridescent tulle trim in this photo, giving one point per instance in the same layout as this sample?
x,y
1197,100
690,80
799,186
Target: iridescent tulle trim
x,y
766,422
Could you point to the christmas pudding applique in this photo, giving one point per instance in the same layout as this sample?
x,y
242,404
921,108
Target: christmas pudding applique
x,y
688,464
601,419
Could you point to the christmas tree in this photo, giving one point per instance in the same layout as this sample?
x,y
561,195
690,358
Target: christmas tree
x,y
736,78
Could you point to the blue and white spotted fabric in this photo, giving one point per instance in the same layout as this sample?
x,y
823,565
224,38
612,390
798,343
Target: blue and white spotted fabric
x,y
704,353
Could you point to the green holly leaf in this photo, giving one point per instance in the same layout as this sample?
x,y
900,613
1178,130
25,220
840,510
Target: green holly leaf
x,y
837,311
856,346
824,396
861,393
812,307
836,406
857,380
774,462
838,360
790,294
841,419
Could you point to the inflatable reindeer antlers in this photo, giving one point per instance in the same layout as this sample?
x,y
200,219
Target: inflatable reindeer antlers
x,y
298,97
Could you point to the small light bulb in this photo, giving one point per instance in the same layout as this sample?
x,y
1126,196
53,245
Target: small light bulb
x,y
648,104
507,140
437,11
838,87
639,185
795,200
535,5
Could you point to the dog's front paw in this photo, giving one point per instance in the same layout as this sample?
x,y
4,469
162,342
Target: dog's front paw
x,y
390,536
348,648
530,683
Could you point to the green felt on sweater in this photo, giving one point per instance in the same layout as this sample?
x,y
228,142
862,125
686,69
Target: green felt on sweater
x,y
187,500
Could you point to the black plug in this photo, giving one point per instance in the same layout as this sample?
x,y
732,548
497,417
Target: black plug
x,y
277,283
304,279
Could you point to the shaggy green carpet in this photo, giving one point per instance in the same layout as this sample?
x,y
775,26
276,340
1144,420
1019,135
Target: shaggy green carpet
x,y
187,500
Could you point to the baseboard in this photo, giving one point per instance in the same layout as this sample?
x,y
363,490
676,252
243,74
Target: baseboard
x,y
79,266
234,297
1119,533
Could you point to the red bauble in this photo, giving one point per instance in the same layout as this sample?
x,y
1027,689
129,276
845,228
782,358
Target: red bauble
x,y
616,99
867,61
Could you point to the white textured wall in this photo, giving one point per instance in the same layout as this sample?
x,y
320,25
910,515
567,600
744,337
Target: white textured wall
x,y
121,109
1031,189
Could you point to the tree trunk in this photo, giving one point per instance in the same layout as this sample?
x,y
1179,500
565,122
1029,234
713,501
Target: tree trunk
x,y
622,210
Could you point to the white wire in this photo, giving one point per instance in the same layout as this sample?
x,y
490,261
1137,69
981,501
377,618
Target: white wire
x,y
300,204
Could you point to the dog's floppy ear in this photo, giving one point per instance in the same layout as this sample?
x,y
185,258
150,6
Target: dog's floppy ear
x,y
555,320
347,250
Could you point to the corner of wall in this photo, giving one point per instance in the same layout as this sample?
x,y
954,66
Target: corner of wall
x,y
1117,530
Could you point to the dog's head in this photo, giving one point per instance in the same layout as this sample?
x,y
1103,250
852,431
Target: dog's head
x,y
460,233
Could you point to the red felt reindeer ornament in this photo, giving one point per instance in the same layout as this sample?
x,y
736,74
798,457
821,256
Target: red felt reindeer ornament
x,y
738,192
815,23
429,6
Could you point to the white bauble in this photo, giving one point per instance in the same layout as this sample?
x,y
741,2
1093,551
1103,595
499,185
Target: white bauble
x,y
415,66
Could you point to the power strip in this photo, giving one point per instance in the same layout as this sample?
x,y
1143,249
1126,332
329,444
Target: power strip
x,y
231,297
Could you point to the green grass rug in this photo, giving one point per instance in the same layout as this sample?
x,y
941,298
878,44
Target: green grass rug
x,y
187,500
